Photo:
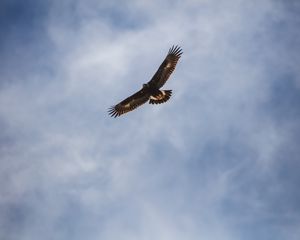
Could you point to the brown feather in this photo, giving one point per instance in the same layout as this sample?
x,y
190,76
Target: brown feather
x,y
130,103
167,67
151,89
161,98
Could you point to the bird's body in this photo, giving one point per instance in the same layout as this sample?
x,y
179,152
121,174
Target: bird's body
x,y
151,90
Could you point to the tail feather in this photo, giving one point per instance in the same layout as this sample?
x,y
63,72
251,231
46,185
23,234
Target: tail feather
x,y
161,98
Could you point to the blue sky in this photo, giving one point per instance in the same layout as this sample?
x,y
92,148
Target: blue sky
x,y
220,160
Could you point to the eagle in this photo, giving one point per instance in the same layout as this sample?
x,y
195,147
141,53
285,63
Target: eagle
x,y
151,91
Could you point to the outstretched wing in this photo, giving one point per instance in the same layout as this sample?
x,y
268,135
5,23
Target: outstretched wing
x,y
167,67
129,103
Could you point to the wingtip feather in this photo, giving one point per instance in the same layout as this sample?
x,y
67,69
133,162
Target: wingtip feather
x,y
177,50
113,112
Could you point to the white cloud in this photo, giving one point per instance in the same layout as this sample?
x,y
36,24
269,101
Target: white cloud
x,y
161,172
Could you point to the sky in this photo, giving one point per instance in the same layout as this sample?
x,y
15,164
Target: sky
x,y
219,160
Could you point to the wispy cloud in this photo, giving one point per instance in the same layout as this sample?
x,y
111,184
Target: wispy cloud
x,y
219,161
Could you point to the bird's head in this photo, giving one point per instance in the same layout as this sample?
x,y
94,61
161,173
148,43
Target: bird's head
x,y
145,85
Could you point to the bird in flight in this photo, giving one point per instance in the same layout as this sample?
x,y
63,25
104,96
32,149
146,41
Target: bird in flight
x,y
150,91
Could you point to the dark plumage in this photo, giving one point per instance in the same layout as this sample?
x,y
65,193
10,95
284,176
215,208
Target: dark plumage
x,y
150,91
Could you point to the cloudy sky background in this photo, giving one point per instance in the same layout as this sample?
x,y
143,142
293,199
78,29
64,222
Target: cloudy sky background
x,y
220,160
